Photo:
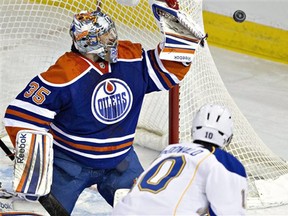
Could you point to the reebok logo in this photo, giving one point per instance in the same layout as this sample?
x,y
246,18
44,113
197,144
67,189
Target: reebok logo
x,y
186,58
21,148
5,206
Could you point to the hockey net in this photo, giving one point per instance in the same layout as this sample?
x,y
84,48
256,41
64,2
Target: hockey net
x,y
34,33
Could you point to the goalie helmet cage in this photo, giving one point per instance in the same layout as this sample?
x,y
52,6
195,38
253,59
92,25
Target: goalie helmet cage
x,y
34,33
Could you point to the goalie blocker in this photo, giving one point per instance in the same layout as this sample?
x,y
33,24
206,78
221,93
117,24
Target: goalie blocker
x,y
182,36
33,164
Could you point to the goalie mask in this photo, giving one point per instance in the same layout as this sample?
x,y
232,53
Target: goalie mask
x,y
213,124
95,32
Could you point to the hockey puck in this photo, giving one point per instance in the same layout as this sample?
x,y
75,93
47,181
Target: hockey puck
x,y
239,16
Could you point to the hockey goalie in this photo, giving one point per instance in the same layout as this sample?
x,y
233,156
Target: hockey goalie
x,y
88,104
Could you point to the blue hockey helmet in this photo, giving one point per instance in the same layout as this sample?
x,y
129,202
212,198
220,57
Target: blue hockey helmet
x,y
95,32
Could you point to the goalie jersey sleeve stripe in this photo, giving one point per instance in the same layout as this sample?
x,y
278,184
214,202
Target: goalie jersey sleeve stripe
x,y
20,104
21,115
163,77
175,70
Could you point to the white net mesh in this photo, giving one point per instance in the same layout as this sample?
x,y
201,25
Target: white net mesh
x,y
34,33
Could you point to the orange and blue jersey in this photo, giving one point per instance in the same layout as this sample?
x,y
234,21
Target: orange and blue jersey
x,y
92,109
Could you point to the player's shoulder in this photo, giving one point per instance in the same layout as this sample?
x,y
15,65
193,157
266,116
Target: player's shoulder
x,y
129,50
67,67
230,162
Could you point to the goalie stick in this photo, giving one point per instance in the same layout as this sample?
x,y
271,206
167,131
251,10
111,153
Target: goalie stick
x,y
49,202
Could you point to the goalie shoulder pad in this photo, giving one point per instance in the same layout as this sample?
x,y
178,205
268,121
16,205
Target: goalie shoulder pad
x,y
182,36
33,165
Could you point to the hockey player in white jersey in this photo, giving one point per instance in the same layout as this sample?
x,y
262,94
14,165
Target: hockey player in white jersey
x,y
198,178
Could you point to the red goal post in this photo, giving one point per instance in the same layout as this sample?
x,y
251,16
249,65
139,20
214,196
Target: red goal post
x,y
173,115
34,33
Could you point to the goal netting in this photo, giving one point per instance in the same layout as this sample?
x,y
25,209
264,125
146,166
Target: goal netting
x,y
34,33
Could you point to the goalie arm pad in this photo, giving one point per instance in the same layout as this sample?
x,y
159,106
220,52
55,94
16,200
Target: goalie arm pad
x,y
33,165
182,36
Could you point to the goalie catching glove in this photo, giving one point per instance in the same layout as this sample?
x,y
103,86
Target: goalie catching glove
x,y
33,164
182,35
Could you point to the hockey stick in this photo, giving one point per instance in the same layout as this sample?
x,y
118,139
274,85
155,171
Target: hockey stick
x,y
6,150
49,202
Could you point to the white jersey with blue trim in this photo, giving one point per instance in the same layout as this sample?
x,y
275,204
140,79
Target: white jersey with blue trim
x,y
92,108
188,179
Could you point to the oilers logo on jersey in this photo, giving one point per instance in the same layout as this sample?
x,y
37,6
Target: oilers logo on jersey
x,y
111,101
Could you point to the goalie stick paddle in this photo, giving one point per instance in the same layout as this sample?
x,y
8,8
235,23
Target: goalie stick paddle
x,y
49,202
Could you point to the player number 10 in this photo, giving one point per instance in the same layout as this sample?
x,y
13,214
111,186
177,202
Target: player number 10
x,y
209,135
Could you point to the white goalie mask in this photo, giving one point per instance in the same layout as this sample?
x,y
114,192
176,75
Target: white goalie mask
x,y
213,124
95,32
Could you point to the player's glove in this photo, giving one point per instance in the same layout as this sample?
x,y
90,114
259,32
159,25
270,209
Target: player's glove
x,y
182,36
